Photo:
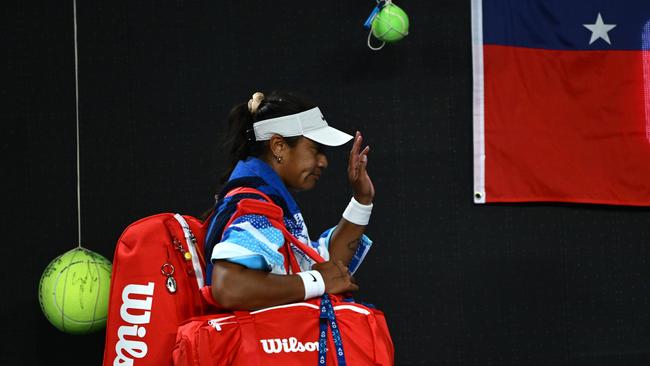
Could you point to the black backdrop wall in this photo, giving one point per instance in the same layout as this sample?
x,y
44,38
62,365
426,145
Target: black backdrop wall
x,y
461,284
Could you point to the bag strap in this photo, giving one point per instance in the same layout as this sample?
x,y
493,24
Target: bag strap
x,y
196,255
252,206
242,190
328,318
275,216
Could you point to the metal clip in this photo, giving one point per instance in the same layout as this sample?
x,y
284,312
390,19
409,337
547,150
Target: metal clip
x,y
179,246
167,269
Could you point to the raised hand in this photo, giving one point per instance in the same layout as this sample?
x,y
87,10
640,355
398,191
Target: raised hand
x,y
364,191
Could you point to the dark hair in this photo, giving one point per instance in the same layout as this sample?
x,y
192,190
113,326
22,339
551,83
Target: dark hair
x,y
240,141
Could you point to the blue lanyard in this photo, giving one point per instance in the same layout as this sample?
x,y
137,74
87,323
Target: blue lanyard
x,y
327,316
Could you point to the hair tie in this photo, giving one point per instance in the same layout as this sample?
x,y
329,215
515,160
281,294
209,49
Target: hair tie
x,y
254,102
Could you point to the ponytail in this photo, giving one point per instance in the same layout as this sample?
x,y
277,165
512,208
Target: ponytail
x,y
240,142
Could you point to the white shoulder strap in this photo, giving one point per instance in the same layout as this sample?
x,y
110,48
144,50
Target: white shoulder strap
x,y
191,245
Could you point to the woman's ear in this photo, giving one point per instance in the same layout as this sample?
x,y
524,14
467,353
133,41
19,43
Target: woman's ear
x,y
277,145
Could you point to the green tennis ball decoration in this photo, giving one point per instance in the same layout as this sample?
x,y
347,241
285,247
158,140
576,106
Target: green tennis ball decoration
x,y
391,24
74,290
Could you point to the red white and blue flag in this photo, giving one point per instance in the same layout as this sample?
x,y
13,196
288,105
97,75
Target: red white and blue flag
x,y
562,101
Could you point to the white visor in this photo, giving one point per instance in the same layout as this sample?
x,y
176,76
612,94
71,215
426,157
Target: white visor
x,y
310,124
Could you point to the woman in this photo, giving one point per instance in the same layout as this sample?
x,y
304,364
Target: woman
x,y
275,144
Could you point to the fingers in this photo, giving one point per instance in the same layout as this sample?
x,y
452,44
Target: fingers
x,y
342,268
353,160
337,277
357,143
353,287
353,280
363,160
356,146
365,151
351,284
357,160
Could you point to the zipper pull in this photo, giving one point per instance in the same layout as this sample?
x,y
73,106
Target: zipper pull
x,y
215,324
167,269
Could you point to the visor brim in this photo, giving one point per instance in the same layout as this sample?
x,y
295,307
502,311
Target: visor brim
x,y
329,136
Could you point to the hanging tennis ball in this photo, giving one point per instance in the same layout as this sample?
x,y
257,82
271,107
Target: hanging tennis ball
x,y
74,290
391,24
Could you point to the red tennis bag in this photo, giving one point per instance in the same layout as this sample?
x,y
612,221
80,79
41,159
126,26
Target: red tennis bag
x,y
285,335
157,273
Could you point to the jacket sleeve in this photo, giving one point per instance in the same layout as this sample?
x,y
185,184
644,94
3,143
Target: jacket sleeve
x,y
363,248
252,242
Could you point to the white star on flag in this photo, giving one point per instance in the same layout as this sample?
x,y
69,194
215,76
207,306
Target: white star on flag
x,y
599,30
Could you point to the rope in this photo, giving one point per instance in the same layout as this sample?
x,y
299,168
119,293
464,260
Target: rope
x,y
76,91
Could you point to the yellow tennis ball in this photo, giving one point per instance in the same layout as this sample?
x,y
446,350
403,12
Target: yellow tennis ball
x,y
74,291
391,24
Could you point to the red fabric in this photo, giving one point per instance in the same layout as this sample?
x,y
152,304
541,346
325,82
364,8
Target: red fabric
x,y
244,190
283,335
141,327
566,126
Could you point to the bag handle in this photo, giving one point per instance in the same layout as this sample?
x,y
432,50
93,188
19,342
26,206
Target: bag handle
x,y
250,207
275,216
243,190
327,319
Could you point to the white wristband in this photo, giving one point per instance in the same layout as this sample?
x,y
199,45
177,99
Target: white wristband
x,y
357,213
314,283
